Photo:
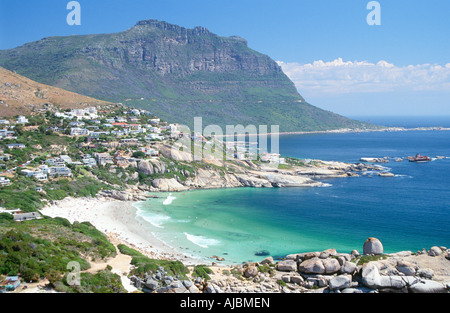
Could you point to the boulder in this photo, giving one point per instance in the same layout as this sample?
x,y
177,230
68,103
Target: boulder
x,y
251,271
406,268
268,260
427,286
287,266
166,185
348,268
372,246
435,251
355,253
327,253
425,273
331,266
371,278
340,282
151,284
145,167
312,266
297,279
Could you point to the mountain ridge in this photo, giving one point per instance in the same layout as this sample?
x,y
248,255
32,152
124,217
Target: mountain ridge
x,y
177,73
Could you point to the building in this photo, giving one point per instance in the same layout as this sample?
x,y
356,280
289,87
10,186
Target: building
x,y
153,137
4,122
77,124
5,157
89,161
4,181
150,151
4,133
67,159
15,146
22,120
10,283
272,158
59,171
55,161
79,131
20,217
103,158
129,142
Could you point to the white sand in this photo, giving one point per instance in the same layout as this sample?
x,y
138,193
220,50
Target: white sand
x,y
117,219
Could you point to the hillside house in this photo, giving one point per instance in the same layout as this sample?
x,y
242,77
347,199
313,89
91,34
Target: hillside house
x,y
59,171
103,158
20,217
10,283
4,181
79,132
15,146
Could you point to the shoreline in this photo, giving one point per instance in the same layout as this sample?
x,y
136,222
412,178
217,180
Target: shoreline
x,y
117,220
346,131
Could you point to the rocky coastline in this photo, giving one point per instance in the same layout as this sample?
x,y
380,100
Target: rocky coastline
x,y
235,175
319,272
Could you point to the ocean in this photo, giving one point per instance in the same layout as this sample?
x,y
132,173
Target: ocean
x,y
410,211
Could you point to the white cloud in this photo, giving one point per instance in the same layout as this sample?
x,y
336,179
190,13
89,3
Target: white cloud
x,y
340,77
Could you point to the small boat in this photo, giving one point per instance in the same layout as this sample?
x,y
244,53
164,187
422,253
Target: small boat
x,y
419,158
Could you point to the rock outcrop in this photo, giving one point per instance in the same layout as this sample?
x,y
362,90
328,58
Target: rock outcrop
x,y
326,272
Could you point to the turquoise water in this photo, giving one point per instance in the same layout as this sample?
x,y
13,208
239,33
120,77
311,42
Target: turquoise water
x,y
408,212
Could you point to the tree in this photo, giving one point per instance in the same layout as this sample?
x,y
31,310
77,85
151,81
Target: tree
x,y
139,154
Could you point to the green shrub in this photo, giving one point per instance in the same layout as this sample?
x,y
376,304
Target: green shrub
x,y
144,265
129,251
202,271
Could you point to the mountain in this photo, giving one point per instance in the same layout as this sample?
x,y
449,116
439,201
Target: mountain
x,y
22,96
177,74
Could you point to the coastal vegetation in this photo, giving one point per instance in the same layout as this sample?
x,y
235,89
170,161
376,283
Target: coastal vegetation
x,y
42,248
144,265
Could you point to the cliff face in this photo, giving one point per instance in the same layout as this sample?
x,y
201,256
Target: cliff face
x,y
176,73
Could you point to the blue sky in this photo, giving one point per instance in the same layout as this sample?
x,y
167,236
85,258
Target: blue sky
x,y
337,61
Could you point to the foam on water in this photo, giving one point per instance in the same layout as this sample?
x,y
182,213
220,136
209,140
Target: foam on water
x,y
169,200
156,220
201,241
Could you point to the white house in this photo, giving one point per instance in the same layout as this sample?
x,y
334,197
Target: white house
x,y
67,159
4,133
60,171
4,181
15,146
22,120
79,132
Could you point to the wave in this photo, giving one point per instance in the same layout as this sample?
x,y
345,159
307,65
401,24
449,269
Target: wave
x,y
201,241
326,185
169,200
401,175
156,220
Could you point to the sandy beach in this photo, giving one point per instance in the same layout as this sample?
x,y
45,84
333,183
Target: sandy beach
x,y
116,219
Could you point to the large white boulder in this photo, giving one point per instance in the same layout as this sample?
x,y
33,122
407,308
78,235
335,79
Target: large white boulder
x,y
372,246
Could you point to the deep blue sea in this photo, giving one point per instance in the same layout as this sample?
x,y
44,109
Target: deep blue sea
x,y
410,211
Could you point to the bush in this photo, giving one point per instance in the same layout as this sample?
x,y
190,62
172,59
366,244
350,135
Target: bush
x,y
144,265
202,271
129,251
